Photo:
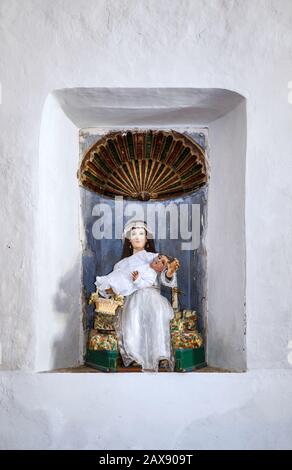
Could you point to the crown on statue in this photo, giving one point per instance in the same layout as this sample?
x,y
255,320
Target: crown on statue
x,y
137,224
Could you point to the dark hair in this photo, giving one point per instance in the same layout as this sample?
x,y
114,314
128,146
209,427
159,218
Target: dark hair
x,y
128,249
170,258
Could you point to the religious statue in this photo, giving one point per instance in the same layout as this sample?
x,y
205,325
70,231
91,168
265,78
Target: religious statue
x,y
143,327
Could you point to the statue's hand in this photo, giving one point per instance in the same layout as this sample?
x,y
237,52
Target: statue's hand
x,y
135,275
172,267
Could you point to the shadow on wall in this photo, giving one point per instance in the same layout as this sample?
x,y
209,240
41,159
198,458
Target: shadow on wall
x,y
67,304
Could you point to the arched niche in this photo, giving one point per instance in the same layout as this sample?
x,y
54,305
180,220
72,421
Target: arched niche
x,y
58,235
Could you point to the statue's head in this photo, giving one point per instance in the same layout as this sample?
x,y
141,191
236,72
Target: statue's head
x,y
159,263
137,236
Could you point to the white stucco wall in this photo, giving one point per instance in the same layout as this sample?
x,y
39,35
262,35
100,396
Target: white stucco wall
x,y
57,317
225,244
243,46
201,411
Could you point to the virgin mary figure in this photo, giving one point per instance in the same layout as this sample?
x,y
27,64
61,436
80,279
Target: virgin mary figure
x,y
144,324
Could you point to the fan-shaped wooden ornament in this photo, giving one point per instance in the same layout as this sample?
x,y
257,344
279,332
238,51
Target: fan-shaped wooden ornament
x,y
144,165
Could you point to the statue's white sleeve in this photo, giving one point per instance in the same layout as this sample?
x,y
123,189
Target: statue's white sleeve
x,y
119,265
168,282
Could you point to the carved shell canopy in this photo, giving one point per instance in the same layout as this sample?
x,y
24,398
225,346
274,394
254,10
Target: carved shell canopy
x,y
144,165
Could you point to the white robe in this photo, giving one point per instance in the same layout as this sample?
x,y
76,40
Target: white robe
x,y
143,327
